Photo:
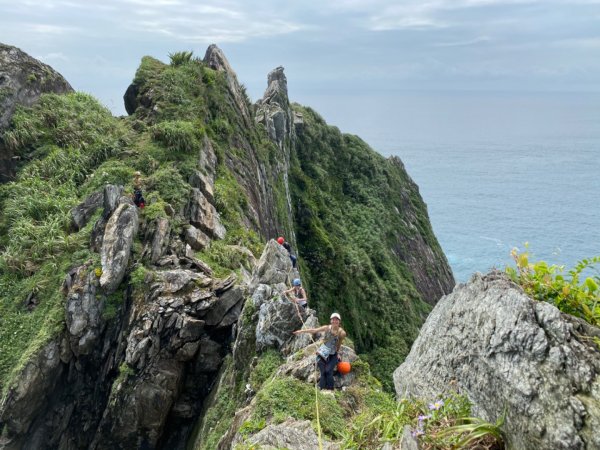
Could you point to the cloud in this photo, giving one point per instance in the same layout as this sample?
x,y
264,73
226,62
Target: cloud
x,y
476,40
582,43
48,29
211,21
182,20
201,30
54,57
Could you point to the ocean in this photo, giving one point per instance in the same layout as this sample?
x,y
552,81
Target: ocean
x,y
496,170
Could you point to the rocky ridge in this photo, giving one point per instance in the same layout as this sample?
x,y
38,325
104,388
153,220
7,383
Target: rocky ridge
x,y
149,333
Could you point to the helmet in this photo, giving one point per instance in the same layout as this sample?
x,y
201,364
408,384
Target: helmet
x,y
280,240
297,282
344,367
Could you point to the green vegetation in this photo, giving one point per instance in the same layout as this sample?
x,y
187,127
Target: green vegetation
x,y
180,58
178,136
566,291
365,417
218,419
288,397
125,371
350,205
266,366
64,139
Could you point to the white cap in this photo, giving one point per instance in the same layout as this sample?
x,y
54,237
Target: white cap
x,y
336,316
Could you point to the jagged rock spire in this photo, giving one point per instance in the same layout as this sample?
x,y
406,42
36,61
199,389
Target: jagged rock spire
x,y
277,88
216,60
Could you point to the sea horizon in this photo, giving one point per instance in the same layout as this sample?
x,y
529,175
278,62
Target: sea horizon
x,y
496,170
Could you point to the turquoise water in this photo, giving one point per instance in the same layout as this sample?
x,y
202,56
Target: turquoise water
x,y
496,170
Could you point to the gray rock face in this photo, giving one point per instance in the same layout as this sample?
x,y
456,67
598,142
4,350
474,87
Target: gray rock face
x,y
197,239
22,80
275,113
116,245
273,109
230,301
80,215
291,434
204,178
426,261
111,199
276,321
202,214
34,386
160,239
504,350
274,265
84,313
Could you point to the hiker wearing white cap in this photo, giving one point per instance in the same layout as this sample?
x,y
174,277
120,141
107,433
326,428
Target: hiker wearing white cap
x,y
328,352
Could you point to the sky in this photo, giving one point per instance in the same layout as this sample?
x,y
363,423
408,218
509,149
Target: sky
x,y
328,48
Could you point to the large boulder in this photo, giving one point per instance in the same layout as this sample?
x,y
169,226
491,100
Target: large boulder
x,y
277,319
202,214
274,265
23,80
116,245
510,355
291,434
160,230
196,238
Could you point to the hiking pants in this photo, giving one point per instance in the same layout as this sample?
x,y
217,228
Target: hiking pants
x,y
326,367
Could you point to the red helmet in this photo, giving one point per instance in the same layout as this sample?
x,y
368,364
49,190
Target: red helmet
x,y
280,240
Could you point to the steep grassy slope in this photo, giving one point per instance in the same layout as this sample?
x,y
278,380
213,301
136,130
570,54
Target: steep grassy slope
x,y
63,141
351,206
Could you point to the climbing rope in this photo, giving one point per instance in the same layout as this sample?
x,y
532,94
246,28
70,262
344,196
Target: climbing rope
x,y
315,372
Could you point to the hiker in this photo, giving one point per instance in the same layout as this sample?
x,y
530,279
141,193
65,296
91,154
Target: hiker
x,y
328,354
298,292
138,198
281,241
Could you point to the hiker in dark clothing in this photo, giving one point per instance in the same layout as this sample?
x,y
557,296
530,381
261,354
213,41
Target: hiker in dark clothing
x,y
285,244
298,293
138,197
328,353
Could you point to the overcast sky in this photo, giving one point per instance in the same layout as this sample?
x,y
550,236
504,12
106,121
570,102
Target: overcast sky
x,y
335,46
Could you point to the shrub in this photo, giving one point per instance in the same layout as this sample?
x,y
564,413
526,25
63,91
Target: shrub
x,y
551,284
267,364
288,397
178,136
180,58
170,185
74,120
